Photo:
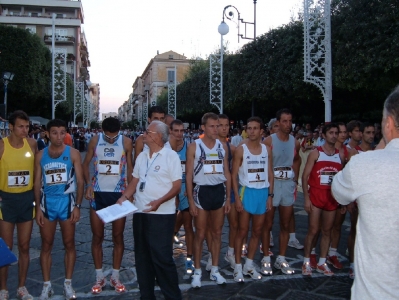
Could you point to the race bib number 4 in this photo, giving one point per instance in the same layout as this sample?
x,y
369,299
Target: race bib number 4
x,y
256,175
212,167
283,173
18,179
326,177
108,167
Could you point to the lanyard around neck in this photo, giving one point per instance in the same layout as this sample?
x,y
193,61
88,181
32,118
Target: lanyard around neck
x,y
148,167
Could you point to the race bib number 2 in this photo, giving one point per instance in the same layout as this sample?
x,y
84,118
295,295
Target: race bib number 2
x,y
18,179
108,167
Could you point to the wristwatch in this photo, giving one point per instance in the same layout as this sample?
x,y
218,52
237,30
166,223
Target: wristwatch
x,y
271,195
78,205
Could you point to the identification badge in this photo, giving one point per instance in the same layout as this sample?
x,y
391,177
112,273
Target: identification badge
x,y
142,186
183,166
326,177
18,178
108,167
283,173
56,176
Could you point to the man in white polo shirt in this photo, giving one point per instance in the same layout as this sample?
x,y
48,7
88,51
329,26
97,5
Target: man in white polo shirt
x,y
157,177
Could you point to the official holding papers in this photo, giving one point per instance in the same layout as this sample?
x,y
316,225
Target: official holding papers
x,y
116,211
156,182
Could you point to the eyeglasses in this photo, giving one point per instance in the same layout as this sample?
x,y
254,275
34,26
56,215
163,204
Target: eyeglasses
x,y
149,131
111,137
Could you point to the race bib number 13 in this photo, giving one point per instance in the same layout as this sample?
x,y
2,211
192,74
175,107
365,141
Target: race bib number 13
x,y
18,179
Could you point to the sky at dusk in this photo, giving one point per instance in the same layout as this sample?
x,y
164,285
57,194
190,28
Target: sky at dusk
x,y
123,35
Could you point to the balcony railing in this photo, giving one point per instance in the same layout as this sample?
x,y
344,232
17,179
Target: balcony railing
x,y
59,39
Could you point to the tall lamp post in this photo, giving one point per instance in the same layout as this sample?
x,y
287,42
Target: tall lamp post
x,y
7,77
228,13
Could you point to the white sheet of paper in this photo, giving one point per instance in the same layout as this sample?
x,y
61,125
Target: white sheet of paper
x,y
116,211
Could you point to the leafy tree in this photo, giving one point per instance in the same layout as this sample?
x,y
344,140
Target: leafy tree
x,y
24,54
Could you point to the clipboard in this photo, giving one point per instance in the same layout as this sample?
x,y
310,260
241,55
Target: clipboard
x,y
6,256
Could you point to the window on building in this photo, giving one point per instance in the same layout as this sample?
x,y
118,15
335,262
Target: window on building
x,y
31,28
170,56
171,76
59,33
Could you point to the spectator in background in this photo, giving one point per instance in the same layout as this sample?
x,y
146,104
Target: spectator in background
x,y
41,141
236,138
68,138
244,133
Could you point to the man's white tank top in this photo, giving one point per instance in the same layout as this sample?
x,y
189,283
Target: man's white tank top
x,y
208,164
253,171
110,166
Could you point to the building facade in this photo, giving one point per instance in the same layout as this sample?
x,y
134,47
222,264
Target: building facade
x,y
162,69
36,16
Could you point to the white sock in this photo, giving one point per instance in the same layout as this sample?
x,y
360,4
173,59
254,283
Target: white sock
x,y
115,274
266,259
238,267
280,258
99,273
248,262
198,272
68,281
306,260
230,251
271,234
48,283
332,252
313,251
321,261
292,236
214,269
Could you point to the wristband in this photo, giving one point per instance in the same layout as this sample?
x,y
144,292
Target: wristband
x,y
271,195
87,185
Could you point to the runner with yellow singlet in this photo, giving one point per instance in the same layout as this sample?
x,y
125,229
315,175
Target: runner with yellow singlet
x,y
17,153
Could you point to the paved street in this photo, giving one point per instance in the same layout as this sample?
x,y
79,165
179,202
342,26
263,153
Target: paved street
x,y
278,286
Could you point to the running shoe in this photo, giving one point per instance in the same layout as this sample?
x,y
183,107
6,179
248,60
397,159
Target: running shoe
x,y
251,271
98,286
176,242
324,269
351,273
266,268
261,250
117,285
284,267
295,244
69,293
306,269
189,266
22,293
238,276
196,280
209,264
313,261
244,251
215,276
333,260
47,292
4,295
231,260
